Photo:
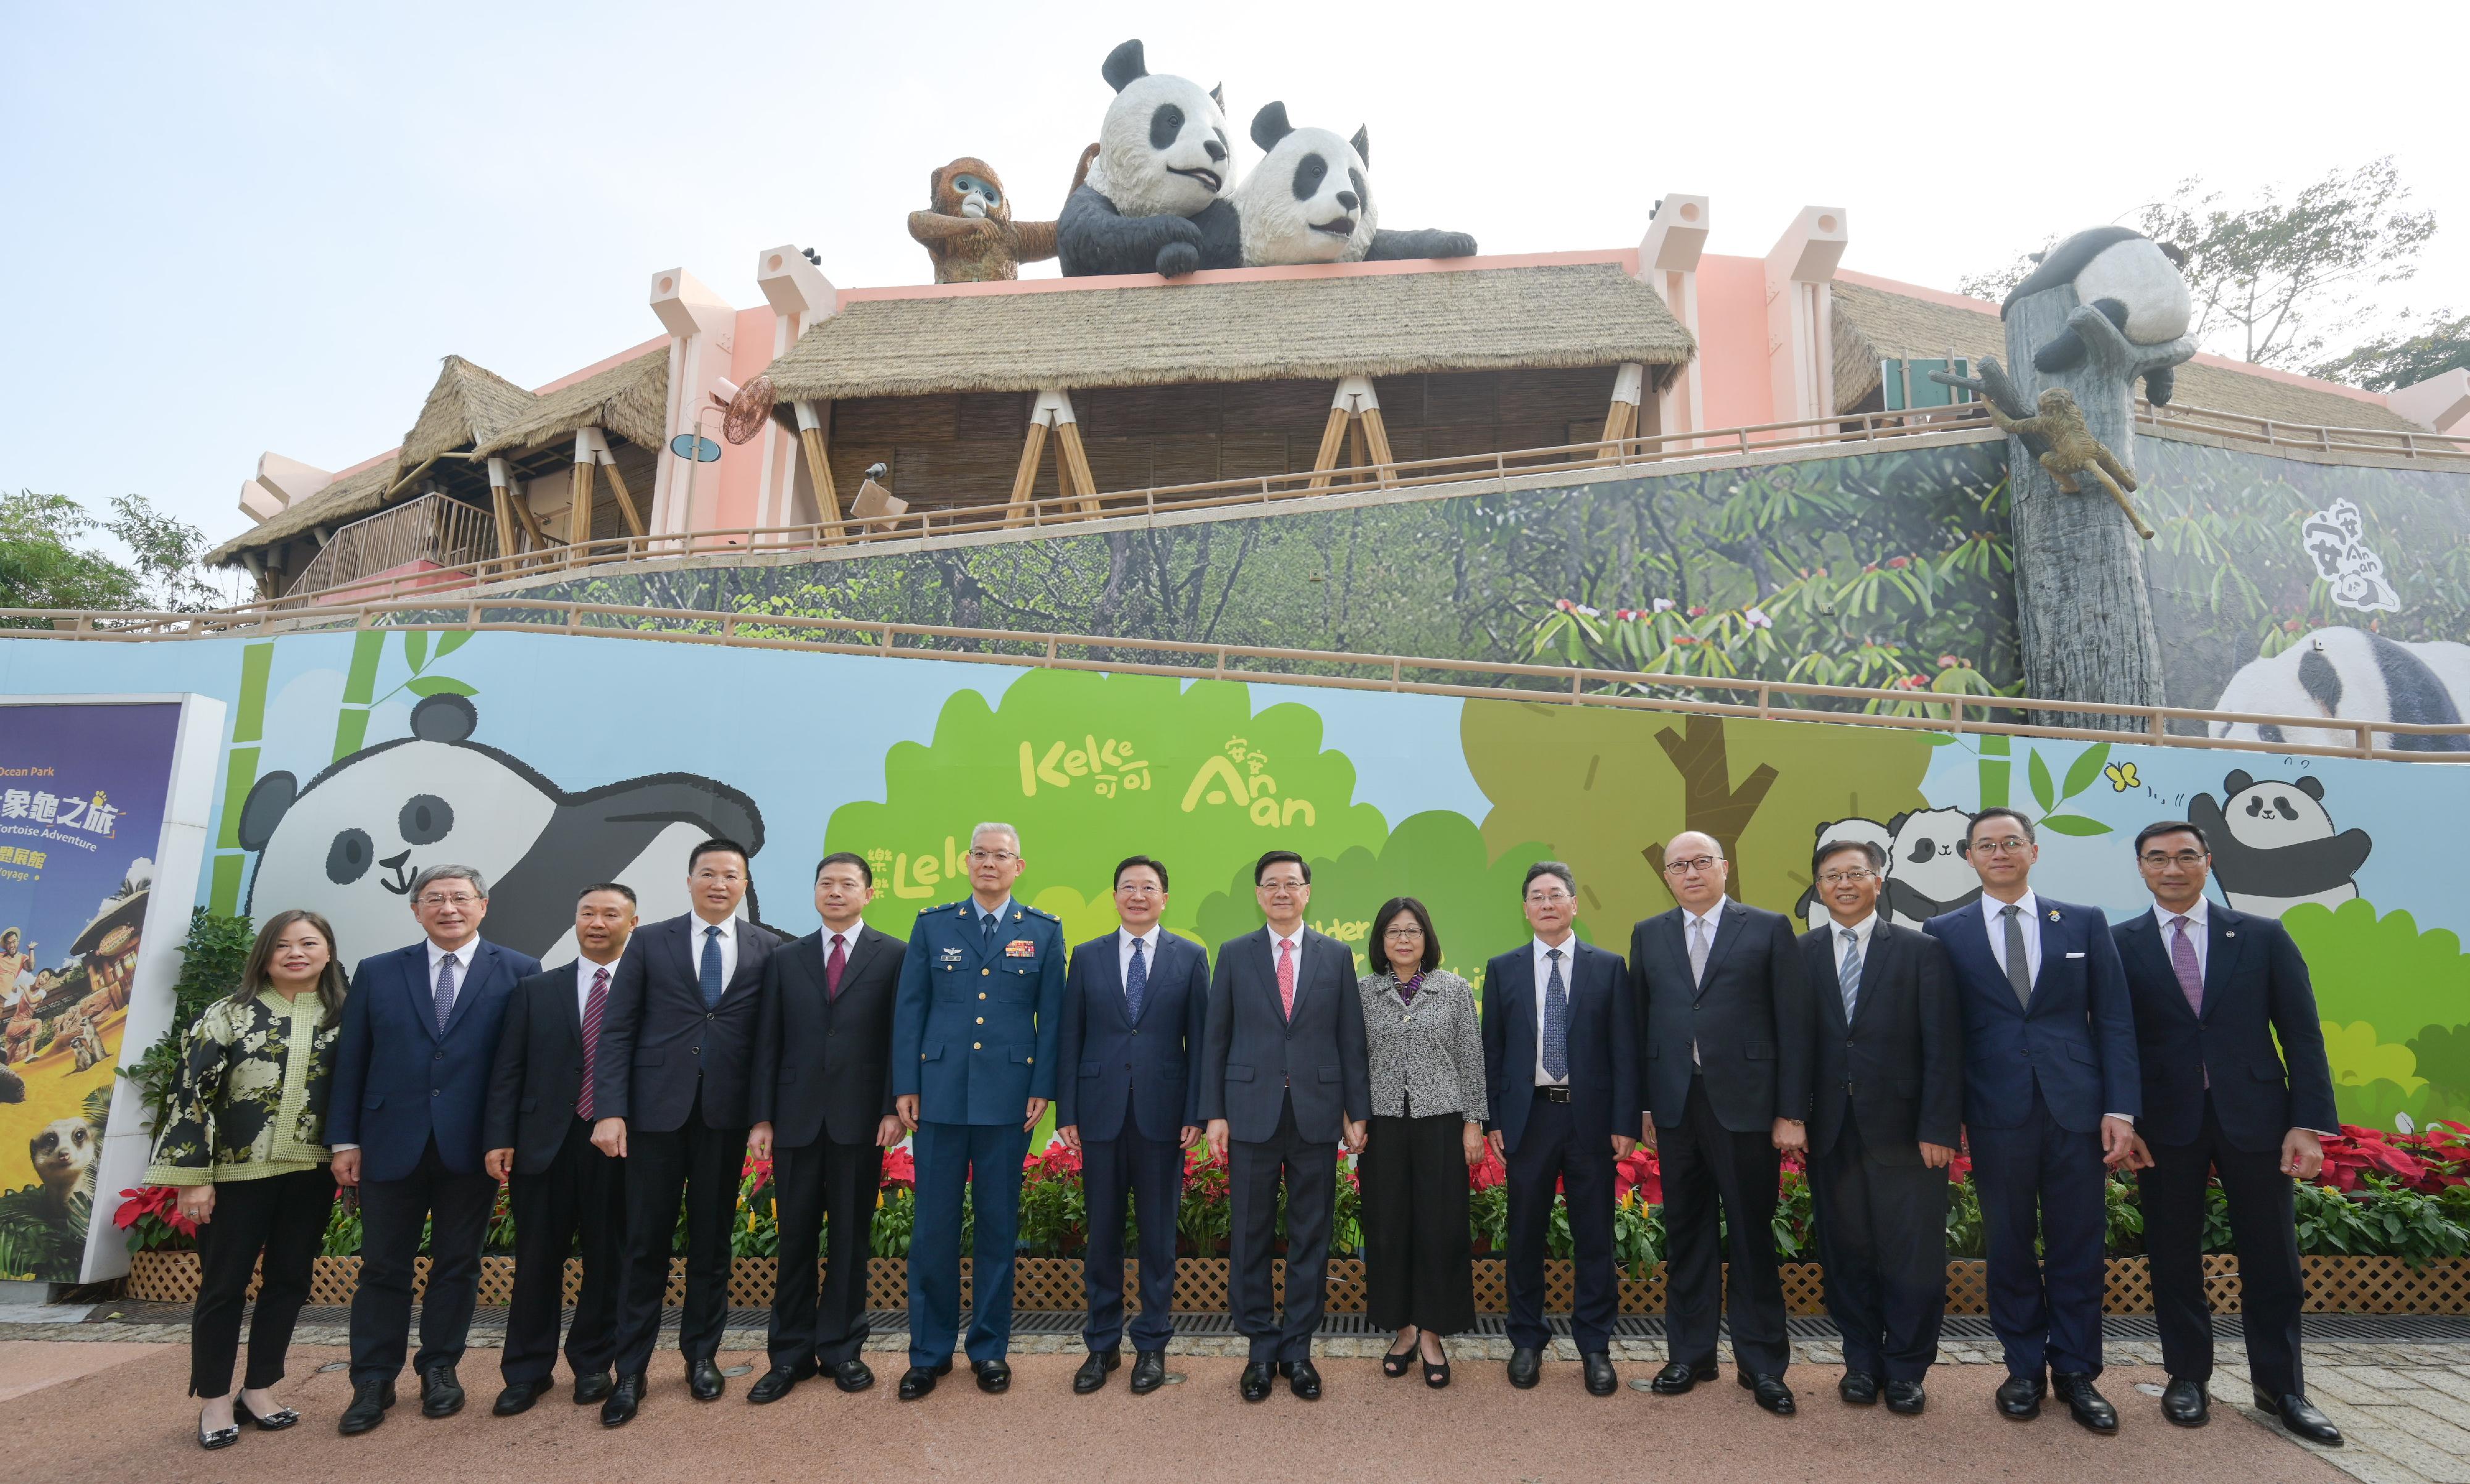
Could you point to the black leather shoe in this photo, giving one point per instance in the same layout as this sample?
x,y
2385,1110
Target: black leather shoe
x,y
1602,1380
1092,1374
595,1387
624,1396
1149,1371
852,1376
919,1379
2084,1405
1302,1379
2019,1397
703,1380
1859,1388
1905,1398
778,1382
994,1377
370,1400
1676,1378
1770,1391
2300,1417
441,1394
2184,1403
519,1397
1254,1383
1525,1367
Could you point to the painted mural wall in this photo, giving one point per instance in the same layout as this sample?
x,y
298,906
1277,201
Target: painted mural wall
x,y
552,762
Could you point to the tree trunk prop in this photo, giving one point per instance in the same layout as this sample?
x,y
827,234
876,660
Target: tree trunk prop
x,y
1709,802
2083,612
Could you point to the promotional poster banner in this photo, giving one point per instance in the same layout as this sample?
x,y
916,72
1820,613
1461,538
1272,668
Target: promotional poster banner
x,y
85,796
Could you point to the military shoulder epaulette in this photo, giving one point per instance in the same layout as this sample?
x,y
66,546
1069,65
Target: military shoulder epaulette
x,y
1040,912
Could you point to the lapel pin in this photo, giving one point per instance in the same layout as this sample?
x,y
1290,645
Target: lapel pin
x,y
2054,914
2229,932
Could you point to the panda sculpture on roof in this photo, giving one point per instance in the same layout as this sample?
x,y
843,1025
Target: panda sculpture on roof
x,y
1311,202
349,844
1155,197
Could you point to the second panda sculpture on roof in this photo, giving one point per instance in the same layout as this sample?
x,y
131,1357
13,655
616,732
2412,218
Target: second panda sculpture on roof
x,y
1311,202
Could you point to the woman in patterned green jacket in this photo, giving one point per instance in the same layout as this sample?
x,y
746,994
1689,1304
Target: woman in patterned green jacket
x,y
246,1142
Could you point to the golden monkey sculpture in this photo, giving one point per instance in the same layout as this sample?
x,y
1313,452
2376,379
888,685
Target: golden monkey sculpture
x,y
970,232
2074,451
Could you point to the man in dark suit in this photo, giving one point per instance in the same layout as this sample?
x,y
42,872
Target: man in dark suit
x,y
1128,1099
1887,1115
1284,1079
539,1134
671,1086
1726,1010
1560,1072
973,1037
412,1083
2235,1079
823,1113
2050,1095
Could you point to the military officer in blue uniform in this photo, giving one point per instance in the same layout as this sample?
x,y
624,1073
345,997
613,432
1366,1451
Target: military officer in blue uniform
x,y
973,1038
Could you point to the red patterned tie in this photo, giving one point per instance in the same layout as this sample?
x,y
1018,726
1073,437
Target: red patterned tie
x,y
1287,977
832,967
594,1005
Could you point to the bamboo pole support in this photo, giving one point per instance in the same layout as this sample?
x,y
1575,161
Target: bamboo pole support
x,y
578,510
819,470
1025,477
1376,434
501,506
1072,466
1333,438
625,496
1620,416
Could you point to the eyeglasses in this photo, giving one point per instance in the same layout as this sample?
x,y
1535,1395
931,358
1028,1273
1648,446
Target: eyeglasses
x,y
1845,877
440,899
1287,884
997,857
1694,863
1407,933
2184,859
1138,889
2011,845
1549,898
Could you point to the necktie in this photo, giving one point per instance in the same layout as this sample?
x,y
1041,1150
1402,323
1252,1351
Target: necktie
x,y
986,932
2019,968
710,967
445,990
2191,978
1287,977
1136,980
1556,1021
832,967
595,1005
1847,974
1697,950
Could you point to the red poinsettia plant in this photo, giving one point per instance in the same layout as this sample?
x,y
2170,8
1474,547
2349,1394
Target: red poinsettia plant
x,y
2427,1161
153,1211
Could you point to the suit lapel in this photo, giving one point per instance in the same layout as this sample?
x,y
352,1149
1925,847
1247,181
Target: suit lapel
x,y
1110,976
421,988
1972,936
573,1007
484,963
1885,943
862,949
1519,985
1731,923
681,941
2146,942
1831,983
2221,948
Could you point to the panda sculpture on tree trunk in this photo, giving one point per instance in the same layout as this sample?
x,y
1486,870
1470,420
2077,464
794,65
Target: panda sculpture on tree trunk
x,y
1154,200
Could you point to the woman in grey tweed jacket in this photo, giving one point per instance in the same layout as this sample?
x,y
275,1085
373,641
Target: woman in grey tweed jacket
x,y
1426,1048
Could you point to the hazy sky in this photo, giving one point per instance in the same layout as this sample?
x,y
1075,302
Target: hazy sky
x,y
236,227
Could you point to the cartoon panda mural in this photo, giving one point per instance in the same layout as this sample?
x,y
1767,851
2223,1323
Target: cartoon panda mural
x,y
1154,198
1928,869
2344,672
1311,202
2274,846
349,844
2130,278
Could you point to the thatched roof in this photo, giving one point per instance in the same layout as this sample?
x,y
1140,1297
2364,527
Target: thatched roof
x,y
630,398
346,500
468,405
1257,329
1874,324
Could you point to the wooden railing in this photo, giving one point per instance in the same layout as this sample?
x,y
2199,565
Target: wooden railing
x,y
2238,426
1477,679
432,528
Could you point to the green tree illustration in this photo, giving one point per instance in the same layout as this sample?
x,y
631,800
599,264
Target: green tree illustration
x,y
360,681
2380,969
1091,768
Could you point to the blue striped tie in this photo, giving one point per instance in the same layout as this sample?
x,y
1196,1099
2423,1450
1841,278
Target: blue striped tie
x,y
1137,982
710,966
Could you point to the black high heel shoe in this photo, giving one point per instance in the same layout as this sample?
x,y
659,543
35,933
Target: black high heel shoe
x,y
1394,1363
1438,1376
276,1421
220,1437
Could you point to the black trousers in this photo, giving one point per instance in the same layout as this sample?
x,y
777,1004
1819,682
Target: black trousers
x,y
455,1207
698,1166
2264,1228
1882,1239
1310,1169
1146,1174
581,1194
1551,1152
822,1190
1417,1257
2044,1211
284,1217
1706,1167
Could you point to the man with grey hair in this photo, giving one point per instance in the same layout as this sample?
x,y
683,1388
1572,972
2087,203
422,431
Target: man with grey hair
x,y
975,1027
411,1093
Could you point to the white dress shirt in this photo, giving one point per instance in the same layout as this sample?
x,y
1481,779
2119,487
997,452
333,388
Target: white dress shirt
x,y
2029,915
1713,917
2199,934
1149,942
697,936
1274,941
849,945
583,969
1539,948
